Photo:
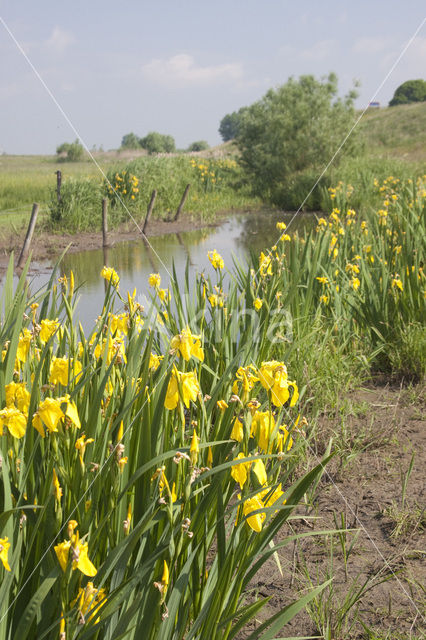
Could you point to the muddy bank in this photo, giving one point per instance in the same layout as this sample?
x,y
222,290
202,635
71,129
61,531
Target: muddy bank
x,y
385,427
48,245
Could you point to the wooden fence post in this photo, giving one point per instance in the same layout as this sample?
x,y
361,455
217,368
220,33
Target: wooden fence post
x,y
58,185
181,203
104,222
149,211
29,236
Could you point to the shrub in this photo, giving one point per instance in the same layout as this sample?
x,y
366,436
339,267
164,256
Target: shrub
x,y
200,145
80,198
70,151
156,142
130,141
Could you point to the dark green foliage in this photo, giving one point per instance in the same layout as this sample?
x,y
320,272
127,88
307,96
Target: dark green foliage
x,y
229,125
409,91
130,141
70,151
156,142
199,145
293,131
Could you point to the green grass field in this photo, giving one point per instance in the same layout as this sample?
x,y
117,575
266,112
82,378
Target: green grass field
x,y
394,139
27,179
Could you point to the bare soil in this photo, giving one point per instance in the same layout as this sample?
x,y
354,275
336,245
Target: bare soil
x,y
390,424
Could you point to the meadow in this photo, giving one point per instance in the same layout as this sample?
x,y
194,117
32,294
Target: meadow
x,y
127,184
155,466
392,142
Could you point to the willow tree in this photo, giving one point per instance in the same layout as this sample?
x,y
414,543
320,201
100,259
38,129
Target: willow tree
x,y
294,129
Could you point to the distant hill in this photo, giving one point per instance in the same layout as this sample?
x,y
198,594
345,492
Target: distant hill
x,y
396,132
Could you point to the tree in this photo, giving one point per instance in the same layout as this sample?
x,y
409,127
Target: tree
x,y
199,145
70,151
130,141
156,142
293,130
229,125
409,91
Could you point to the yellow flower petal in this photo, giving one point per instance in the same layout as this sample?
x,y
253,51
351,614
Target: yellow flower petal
x,y
237,432
4,548
260,471
62,551
255,521
83,563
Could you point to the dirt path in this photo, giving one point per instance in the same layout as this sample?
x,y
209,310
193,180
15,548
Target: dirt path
x,y
384,428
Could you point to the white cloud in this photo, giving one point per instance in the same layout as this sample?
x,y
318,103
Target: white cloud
x,y
181,70
59,40
369,45
319,51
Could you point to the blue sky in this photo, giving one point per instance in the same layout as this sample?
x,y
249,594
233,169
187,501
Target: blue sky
x,y
179,66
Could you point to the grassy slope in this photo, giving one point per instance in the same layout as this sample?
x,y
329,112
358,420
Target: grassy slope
x,y
396,132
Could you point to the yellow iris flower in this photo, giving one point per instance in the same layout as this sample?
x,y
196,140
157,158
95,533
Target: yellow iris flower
x,y
24,342
263,499
80,558
14,420
60,368
241,471
216,259
51,410
194,448
260,471
283,438
244,381
273,377
89,601
154,280
265,265
256,520
185,383
119,322
16,394
154,361
262,427
188,345
237,432
109,274
48,328
81,444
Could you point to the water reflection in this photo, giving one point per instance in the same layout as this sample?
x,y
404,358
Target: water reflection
x,y
134,261
258,231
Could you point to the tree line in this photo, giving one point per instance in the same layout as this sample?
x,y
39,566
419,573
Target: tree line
x,y
155,142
